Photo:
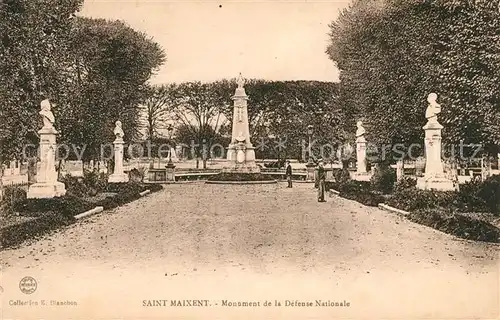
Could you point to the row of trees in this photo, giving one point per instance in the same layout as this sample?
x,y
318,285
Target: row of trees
x,y
93,71
393,53
278,111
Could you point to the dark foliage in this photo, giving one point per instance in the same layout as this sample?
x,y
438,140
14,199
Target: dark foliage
x,y
276,164
472,197
357,190
342,175
405,183
154,187
13,195
461,226
14,235
128,187
489,192
411,199
90,184
468,199
68,205
51,214
383,179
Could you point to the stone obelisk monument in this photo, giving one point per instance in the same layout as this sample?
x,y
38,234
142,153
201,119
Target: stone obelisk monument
x,y
434,177
241,153
118,174
46,185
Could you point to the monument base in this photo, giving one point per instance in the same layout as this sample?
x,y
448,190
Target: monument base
x,y
436,183
118,178
241,168
365,176
46,190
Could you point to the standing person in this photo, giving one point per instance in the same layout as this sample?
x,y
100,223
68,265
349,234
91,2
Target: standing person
x,y
289,174
321,174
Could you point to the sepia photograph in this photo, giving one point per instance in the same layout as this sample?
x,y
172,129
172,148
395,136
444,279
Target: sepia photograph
x,y
249,159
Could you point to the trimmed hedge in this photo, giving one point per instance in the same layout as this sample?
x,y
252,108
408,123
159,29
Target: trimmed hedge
x,y
472,197
383,179
357,190
411,199
458,225
153,187
438,210
341,175
489,192
126,187
67,206
241,177
14,235
90,184
51,214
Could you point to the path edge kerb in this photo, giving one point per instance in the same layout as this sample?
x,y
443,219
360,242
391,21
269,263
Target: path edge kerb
x,y
385,207
98,209
242,182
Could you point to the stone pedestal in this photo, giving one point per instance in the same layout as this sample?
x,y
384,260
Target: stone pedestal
x,y
310,172
361,173
46,185
170,176
434,177
361,155
400,170
118,175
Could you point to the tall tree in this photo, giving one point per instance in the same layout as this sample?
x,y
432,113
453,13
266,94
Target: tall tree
x,y
157,110
393,53
34,39
111,64
199,109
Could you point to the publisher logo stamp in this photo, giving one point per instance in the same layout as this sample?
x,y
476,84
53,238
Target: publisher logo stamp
x,y
28,285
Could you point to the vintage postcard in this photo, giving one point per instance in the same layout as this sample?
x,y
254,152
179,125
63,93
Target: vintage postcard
x,y
334,159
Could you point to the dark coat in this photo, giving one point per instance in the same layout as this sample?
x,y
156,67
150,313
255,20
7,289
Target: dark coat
x,y
289,170
321,174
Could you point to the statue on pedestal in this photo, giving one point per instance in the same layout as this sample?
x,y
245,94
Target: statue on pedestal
x,y
435,176
118,174
46,185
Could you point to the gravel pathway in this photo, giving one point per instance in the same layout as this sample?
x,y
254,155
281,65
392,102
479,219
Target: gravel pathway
x,y
253,243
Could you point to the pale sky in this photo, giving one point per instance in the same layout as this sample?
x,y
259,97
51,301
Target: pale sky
x,y
211,40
